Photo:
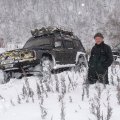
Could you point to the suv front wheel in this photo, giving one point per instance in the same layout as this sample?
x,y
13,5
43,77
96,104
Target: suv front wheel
x,y
5,76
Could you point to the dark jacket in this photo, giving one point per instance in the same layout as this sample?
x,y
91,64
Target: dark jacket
x,y
101,58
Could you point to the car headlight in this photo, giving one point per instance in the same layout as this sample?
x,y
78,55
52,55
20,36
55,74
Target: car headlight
x,y
27,54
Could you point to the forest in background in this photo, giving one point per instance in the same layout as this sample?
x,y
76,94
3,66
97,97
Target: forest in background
x,y
83,17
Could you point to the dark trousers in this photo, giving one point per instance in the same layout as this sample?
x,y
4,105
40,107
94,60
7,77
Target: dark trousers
x,y
94,76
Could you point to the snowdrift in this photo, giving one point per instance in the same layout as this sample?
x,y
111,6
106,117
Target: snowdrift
x,y
62,96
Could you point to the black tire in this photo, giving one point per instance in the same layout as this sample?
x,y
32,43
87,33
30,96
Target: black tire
x,y
114,57
17,75
47,64
80,65
7,76
81,61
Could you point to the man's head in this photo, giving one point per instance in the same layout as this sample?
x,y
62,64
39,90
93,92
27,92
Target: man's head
x,y
98,38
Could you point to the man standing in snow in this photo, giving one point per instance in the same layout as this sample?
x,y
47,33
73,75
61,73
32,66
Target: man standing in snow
x,y
101,58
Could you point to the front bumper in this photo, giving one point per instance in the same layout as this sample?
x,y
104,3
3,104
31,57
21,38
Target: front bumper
x,y
16,59
18,65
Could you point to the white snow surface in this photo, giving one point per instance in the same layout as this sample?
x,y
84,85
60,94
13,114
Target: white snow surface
x,y
2,50
64,96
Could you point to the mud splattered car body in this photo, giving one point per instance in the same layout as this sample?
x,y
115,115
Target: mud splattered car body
x,y
61,47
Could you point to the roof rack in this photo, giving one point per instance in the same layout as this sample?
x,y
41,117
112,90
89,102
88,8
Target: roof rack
x,y
50,30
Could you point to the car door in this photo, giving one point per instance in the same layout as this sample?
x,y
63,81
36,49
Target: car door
x,y
70,51
59,51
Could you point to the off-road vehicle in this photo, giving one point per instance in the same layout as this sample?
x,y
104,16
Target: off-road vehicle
x,y
116,52
51,48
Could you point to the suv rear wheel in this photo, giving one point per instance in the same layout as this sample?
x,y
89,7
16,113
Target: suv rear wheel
x,y
81,63
47,64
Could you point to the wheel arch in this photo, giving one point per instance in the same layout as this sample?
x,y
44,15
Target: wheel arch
x,y
51,57
78,55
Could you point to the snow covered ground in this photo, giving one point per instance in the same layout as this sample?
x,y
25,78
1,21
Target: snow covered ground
x,y
62,96
2,50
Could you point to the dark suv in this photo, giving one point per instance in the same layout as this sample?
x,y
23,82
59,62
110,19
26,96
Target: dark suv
x,y
48,47
116,52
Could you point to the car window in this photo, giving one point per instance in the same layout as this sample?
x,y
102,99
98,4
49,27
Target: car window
x,y
77,43
58,44
40,41
68,44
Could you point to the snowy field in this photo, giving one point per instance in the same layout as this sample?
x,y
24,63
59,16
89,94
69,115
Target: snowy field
x,y
62,96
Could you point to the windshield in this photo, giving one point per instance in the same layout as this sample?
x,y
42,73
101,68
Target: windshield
x,y
36,42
